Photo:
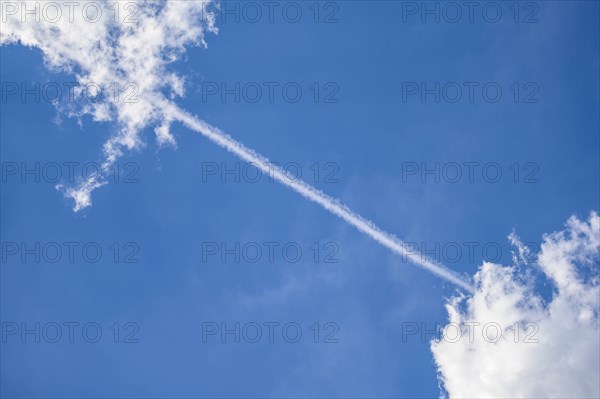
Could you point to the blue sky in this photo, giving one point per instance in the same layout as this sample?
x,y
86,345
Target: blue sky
x,y
169,211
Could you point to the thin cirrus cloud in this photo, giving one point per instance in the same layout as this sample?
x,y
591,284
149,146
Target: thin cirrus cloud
x,y
115,51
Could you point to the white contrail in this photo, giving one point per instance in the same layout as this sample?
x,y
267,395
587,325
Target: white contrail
x,y
113,51
332,205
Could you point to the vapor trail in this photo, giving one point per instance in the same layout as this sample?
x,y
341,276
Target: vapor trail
x,y
112,51
309,192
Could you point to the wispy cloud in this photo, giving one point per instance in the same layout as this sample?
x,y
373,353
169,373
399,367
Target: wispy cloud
x,y
113,50
120,48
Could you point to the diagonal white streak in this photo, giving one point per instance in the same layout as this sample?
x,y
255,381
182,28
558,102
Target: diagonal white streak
x,y
309,192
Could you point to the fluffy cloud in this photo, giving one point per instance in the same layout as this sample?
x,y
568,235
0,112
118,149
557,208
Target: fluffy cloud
x,y
557,348
126,52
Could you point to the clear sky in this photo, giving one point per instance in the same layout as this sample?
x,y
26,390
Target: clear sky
x,y
368,136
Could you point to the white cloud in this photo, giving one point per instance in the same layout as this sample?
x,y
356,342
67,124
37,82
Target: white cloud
x,y
565,362
125,56
139,53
